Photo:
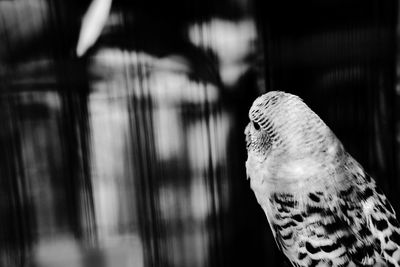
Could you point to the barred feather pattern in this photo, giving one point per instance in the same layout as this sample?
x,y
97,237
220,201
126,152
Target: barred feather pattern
x,y
322,207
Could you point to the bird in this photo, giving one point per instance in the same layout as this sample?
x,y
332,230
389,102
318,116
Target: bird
x,y
323,208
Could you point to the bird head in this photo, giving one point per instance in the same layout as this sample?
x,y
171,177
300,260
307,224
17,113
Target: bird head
x,y
282,125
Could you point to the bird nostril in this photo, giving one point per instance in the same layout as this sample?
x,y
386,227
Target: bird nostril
x,y
256,126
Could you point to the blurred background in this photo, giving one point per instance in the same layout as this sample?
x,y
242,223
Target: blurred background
x,y
121,135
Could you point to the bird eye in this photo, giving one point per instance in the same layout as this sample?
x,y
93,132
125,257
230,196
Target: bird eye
x,y
256,126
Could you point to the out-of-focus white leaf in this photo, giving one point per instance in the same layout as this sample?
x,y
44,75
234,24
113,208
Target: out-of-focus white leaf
x,y
92,24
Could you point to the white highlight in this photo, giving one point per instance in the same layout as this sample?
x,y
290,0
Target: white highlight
x,y
231,41
92,25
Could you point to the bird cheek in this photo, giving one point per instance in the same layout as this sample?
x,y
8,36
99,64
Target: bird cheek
x,y
248,141
248,136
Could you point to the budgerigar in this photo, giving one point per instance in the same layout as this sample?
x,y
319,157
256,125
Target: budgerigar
x,y
322,207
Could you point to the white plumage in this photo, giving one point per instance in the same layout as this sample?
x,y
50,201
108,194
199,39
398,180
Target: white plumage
x,y
322,207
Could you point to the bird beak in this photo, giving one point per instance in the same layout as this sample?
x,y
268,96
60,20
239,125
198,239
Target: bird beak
x,y
247,132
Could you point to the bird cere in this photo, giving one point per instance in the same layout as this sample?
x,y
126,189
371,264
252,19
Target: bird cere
x,y
322,207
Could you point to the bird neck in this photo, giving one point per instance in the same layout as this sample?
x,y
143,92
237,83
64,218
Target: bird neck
x,y
303,175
